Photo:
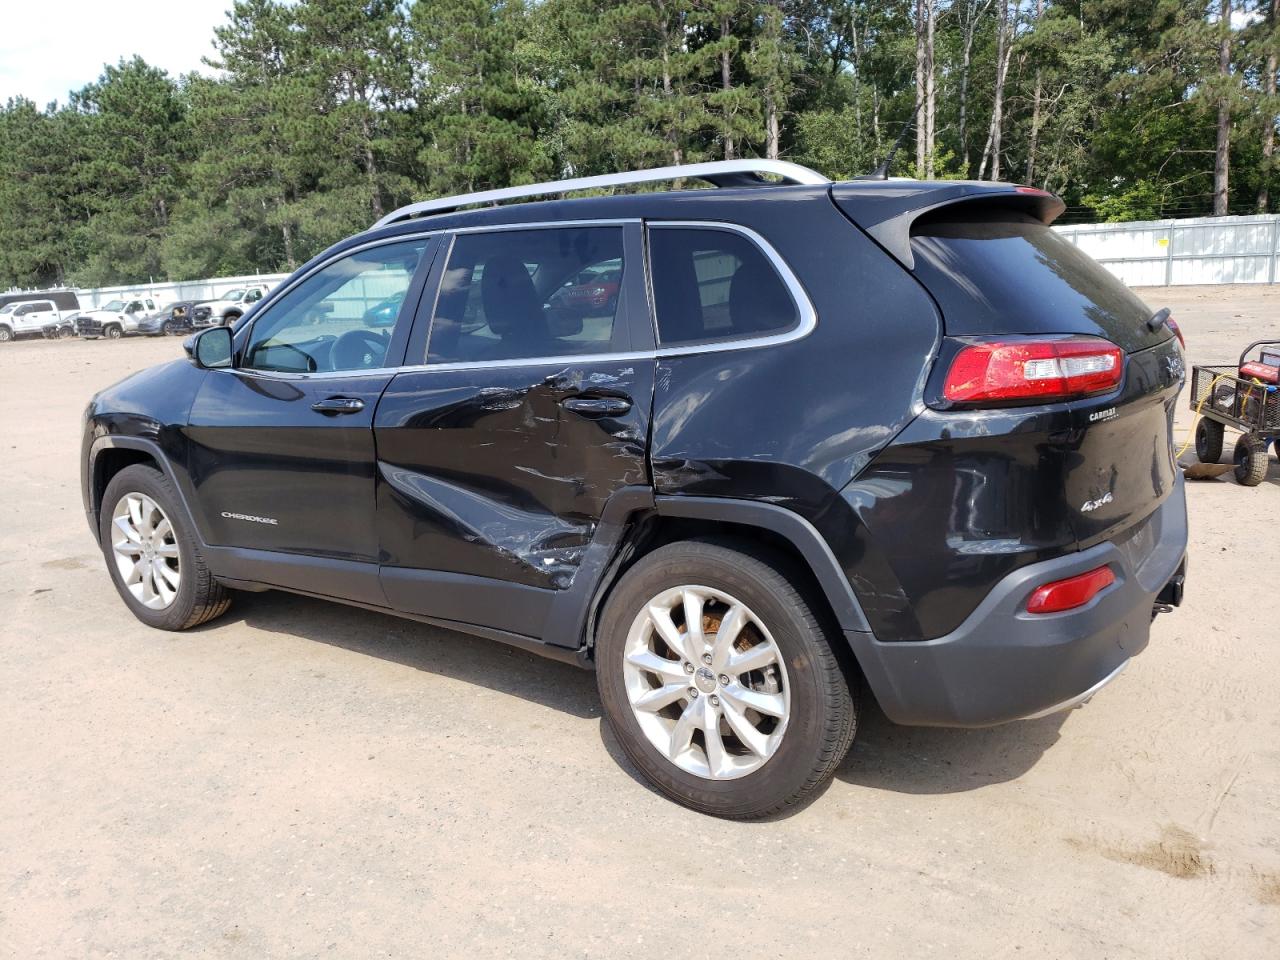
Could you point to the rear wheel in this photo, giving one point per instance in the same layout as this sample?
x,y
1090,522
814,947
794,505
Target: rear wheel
x,y
1208,440
1251,460
152,554
720,681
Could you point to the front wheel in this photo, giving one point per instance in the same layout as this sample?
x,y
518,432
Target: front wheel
x,y
5,334
113,332
153,555
720,680
1251,460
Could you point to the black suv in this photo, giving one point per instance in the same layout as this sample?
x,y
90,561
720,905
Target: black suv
x,y
886,435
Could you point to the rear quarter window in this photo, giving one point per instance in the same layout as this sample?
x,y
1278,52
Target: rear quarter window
x,y
997,272
714,285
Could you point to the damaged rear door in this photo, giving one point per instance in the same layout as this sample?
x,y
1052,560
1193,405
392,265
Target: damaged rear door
x,y
528,408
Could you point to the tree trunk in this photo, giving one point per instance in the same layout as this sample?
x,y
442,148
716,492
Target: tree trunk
x,y
726,84
771,126
921,146
991,152
975,10
677,155
371,170
1269,117
1033,140
1222,155
930,99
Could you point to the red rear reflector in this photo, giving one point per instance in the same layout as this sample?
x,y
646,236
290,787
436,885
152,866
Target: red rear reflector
x,y
1070,593
1022,370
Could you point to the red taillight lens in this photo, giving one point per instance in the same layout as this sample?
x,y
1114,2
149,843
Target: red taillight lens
x,y
1173,325
1070,593
1029,370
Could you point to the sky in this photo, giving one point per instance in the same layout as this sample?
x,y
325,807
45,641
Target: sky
x,y
51,47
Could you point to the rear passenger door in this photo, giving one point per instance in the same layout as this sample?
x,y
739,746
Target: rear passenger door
x,y
527,408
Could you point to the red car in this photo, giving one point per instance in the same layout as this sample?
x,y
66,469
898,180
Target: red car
x,y
590,291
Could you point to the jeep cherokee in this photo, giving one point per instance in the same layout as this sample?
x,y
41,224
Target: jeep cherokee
x,y
885,436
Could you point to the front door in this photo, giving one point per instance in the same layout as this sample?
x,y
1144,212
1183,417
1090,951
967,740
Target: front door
x,y
281,445
31,317
530,408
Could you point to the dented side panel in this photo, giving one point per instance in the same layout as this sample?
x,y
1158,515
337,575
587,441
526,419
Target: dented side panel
x,y
485,472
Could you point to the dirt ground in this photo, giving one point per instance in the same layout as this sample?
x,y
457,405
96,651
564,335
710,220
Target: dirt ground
x,y
303,779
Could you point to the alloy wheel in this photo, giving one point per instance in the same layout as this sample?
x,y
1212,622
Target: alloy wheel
x,y
706,682
146,551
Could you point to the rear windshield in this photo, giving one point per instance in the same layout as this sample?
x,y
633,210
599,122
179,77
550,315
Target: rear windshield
x,y
999,272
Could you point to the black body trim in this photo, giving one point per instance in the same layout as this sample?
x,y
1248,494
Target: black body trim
x,y
793,528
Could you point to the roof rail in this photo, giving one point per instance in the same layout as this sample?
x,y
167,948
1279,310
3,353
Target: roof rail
x,y
721,173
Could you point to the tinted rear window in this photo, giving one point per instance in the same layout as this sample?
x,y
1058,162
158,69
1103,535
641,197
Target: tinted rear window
x,y
998,272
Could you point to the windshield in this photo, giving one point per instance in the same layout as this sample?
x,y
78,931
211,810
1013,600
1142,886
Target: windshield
x,y
233,295
113,306
8,308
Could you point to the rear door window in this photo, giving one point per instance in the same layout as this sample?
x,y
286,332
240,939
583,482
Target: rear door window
x,y
713,285
998,272
530,294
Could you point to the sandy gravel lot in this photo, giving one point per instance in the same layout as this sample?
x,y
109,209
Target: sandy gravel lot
x,y
302,779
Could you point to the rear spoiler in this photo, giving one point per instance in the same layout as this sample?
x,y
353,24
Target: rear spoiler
x,y
887,209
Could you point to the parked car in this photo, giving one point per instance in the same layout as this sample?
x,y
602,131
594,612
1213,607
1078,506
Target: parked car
x,y
233,304
28,318
63,328
172,318
178,318
66,301
892,436
594,289
116,318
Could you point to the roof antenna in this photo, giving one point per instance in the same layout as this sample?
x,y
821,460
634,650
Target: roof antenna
x,y
882,172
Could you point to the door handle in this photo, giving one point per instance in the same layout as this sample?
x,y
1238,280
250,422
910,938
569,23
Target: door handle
x,y
337,405
597,406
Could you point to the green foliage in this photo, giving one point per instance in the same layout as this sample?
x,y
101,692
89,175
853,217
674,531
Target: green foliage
x,y
326,113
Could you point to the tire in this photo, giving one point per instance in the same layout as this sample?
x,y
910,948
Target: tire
x,y
1276,446
113,332
6,335
795,755
198,597
1251,460
167,330
1209,440
230,318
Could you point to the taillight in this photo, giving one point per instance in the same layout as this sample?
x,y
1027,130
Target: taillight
x,y
1070,593
1173,325
1029,370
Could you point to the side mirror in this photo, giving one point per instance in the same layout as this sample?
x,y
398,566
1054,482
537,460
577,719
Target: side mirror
x,y
210,349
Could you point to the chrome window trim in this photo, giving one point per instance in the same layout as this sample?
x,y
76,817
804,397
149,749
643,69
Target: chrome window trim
x,y
804,306
808,315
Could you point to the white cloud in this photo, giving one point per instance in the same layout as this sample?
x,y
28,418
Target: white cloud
x,y
51,47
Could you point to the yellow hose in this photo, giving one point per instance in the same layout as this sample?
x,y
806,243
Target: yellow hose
x,y
1207,394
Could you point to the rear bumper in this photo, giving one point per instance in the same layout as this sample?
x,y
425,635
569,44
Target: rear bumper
x,y
1005,664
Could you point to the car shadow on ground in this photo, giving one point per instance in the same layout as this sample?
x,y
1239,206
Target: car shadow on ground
x,y
485,663
936,760
913,760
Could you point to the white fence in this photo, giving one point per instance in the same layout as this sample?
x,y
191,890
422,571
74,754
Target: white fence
x,y
196,290
1160,253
